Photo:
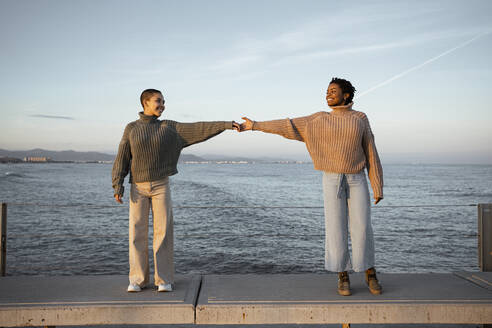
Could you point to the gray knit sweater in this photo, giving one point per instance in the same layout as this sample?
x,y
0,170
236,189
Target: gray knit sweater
x,y
150,148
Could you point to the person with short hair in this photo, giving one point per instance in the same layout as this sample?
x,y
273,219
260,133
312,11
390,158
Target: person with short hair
x,y
341,144
149,150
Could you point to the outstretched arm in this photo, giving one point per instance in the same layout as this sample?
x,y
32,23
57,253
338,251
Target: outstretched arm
x,y
294,129
192,133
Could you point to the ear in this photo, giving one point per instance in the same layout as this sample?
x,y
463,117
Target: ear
x,y
346,96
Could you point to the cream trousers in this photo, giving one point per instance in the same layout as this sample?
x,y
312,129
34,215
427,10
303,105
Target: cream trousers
x,y
143,196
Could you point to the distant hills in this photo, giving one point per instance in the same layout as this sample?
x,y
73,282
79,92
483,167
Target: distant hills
x,y
65,155
190,158
17,156
13,156
72,156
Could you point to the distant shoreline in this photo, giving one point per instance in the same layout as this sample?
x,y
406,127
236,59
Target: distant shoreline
x,y
71,156
242,163
19,161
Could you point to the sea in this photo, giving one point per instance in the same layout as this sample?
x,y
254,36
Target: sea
x,y
238,218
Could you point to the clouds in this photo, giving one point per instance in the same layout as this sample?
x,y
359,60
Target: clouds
x,y
54,117
337,35
220,60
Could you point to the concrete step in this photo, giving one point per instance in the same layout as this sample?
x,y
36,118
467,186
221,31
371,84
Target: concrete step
x,y
461,298
93,300
312,299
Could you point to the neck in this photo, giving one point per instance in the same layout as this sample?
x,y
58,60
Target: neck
x,y
342,108
147,112
146,117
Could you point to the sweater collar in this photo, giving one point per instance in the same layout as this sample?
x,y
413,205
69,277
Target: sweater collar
x,y
342,108
147,118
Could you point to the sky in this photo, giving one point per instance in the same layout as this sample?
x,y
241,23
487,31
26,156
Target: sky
x,y
71,72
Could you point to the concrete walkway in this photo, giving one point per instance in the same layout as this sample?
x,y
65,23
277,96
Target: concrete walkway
x,y
312,299
461,298
93,300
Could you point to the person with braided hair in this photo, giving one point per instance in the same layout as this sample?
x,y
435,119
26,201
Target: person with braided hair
x,y
341,145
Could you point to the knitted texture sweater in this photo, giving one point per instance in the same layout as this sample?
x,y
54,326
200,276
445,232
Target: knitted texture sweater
x,y
150,148
340,141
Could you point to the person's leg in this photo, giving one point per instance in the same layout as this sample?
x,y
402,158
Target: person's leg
x,y
337,258
361,233
138,234
359,213
163,244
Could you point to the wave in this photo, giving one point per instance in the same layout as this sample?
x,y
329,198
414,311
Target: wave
x,y
461,194
12,174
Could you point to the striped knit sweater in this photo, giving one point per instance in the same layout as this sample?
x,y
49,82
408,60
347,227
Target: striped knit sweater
x,y
340,141
150,148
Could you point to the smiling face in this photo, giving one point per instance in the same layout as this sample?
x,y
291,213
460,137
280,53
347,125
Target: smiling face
x,y
154,106
335,96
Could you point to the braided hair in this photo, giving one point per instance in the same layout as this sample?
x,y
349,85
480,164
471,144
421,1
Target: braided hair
x,y
346,87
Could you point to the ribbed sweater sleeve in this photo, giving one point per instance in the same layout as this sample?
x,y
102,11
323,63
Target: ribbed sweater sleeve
x,y
373,164
121,165
340,141
150,148
192,133
294,129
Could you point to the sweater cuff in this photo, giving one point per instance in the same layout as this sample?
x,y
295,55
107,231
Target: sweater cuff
x,y
228,125
378,193
119,190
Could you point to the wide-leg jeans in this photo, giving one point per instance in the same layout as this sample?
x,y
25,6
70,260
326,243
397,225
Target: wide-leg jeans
x,y
347,208
143,196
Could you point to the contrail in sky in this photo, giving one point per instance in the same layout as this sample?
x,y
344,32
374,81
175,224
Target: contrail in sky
x,y
397,76
53,117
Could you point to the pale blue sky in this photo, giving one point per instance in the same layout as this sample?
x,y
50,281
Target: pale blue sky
x,y
71,72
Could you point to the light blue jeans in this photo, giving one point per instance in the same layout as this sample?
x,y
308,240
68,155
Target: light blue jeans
x,y
347,207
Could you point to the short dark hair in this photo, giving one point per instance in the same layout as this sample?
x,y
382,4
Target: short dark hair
x,y
147,94
346,87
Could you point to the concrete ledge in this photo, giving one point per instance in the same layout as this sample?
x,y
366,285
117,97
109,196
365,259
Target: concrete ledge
x,y
482,279
312,299
461,298
93,300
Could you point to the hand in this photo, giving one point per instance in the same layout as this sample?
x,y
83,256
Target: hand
x,y
118,199
236,126
247,124
377,200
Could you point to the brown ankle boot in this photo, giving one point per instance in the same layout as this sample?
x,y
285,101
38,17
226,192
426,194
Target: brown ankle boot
x,y
344,284
372,281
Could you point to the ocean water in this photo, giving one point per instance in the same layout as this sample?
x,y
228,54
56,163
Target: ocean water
x,y
62,219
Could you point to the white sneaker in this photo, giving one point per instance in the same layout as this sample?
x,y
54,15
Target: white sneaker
x,y
133,288
165,288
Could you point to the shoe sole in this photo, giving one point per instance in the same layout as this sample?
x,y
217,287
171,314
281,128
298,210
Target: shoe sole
x,y
348,293
131,290
164,290
375,292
